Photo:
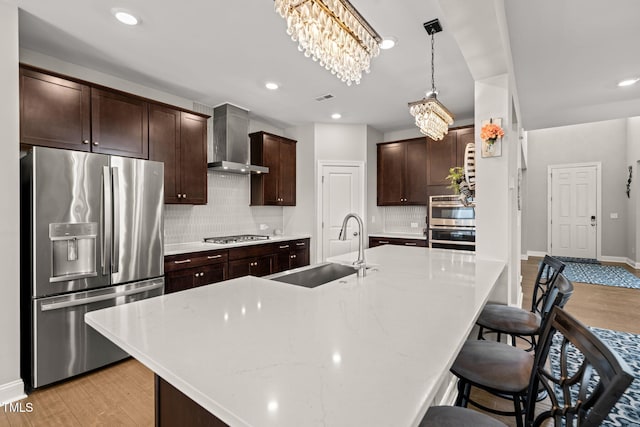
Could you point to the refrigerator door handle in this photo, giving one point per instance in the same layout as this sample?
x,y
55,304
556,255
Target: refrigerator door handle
x,y
115,263
106,213
88,300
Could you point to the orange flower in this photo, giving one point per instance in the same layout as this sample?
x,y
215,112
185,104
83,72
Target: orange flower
x,y
491,131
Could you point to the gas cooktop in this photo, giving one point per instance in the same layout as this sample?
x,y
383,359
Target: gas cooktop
x,y
223,240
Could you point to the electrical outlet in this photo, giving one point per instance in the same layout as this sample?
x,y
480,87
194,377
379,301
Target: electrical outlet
x,y
613,215
414,225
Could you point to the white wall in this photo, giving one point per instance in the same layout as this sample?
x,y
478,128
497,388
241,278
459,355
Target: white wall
x,y
340,142
53,64
633,220
604,142
11,386
375,214
302,217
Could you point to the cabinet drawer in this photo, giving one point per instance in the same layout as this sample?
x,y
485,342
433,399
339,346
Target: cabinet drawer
x,y
291,245
255,250
379,241
194,259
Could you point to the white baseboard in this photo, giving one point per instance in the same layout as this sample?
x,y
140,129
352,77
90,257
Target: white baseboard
x,y
618,259
538,254
631,263
448,391
10,392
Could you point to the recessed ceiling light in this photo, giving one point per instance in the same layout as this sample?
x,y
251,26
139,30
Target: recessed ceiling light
x,y
388,42
336,116
125,17
628,82
271,86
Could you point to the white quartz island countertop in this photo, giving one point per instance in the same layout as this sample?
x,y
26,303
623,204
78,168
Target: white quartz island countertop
x,y
353,352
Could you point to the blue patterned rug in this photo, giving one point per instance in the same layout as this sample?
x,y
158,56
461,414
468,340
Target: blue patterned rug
x,y
626,413
609,275
582,260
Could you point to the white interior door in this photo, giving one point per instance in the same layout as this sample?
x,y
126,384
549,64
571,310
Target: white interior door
x,y
342,193
574,222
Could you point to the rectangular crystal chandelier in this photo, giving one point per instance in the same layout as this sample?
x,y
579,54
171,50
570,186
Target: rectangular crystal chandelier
x,y
333,33
432,117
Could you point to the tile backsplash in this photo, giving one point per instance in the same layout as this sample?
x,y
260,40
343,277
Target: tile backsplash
x,y
398,219
227,212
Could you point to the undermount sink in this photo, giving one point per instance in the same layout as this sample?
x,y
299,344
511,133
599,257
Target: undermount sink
x,y
313,276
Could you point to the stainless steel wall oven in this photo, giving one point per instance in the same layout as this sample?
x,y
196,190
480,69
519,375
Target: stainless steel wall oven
x,y
452,225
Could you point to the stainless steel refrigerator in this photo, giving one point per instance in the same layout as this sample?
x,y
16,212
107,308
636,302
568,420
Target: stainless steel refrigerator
x,y
92,237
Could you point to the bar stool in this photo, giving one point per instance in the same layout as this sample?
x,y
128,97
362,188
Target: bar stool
x,y
501,369
600,367
517,322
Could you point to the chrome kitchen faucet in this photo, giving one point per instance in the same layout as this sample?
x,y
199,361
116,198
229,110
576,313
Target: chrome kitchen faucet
x,y
360,265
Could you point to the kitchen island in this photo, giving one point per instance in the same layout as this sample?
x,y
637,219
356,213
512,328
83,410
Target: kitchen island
x,y
373,351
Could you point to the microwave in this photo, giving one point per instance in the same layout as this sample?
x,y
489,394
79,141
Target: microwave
x,y
449,211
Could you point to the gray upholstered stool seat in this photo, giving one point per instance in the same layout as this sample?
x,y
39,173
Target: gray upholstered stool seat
x,y
514,320
494,365
454,416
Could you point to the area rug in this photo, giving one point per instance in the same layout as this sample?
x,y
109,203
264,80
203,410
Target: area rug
x,y
582,260
626,412
609,275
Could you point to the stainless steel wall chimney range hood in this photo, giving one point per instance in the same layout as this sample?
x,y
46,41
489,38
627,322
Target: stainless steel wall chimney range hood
x,y
231,141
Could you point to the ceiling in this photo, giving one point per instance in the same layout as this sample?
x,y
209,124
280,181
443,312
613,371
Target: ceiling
x,y
214,52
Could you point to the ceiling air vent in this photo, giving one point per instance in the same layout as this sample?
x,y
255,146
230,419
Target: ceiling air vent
x,y
324,97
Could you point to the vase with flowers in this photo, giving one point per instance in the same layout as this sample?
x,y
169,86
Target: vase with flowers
x,y
491,134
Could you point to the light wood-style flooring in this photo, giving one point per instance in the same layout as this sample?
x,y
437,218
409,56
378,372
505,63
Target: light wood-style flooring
x,y
123,393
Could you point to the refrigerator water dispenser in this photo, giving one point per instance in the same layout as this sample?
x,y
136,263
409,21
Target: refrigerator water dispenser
x,y
73,250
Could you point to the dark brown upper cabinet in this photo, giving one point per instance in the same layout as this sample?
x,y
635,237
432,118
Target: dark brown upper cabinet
x,y
443,155
278,187
63,113
402,172
179,139
119,124
54,112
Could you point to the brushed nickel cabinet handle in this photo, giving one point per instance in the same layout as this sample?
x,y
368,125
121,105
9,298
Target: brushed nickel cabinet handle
x,y
410,244
184,195
96,143
284,246
179,196
184,261
85,141
214,256
383,241
300,244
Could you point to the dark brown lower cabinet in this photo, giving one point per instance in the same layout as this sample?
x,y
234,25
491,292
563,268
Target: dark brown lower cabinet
x,y
256,266
193,277
292,254
379,241
190,270
186,271
174,408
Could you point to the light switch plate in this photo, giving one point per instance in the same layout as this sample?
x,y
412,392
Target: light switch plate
x,y
613,215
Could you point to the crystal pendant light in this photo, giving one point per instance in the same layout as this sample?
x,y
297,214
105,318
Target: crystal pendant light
x,y
431,116
333,33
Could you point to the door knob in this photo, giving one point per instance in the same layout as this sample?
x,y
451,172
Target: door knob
x,y
593,220
355,233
